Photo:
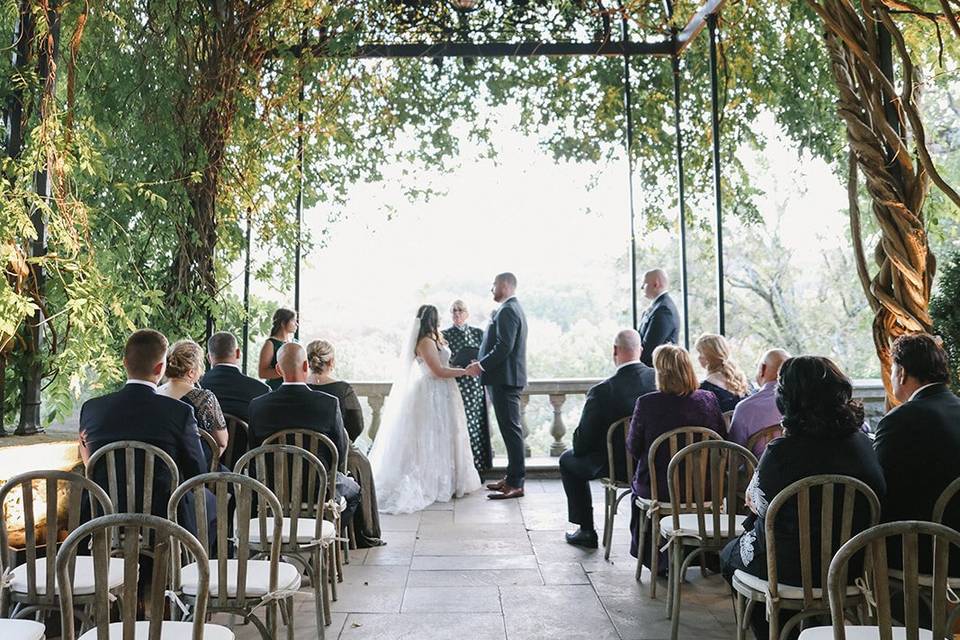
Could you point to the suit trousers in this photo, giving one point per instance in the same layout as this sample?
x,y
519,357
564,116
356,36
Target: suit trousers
x,y
506,406
576,472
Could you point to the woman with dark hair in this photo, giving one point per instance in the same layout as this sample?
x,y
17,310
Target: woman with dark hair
x,y
821,423
285,325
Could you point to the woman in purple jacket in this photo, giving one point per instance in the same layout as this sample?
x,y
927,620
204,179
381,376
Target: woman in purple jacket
x,y
677,402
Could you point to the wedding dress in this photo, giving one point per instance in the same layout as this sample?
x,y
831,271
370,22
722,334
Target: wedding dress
x,y
421,453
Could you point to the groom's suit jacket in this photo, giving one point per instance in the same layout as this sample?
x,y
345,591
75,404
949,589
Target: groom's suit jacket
x,y
503,352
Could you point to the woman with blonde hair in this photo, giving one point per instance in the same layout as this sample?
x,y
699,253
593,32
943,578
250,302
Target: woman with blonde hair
x,y
184,368
677,402
724,378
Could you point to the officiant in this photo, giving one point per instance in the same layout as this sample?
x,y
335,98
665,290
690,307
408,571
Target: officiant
x,y
464,342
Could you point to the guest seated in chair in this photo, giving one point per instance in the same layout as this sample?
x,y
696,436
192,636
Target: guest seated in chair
x,y
233,389
294,405
607,402
321,358
724,378
822,425
759,411
138,412
184,368
676,403
918,443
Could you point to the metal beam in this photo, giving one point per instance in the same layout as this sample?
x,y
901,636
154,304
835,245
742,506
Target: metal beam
x,y
717,190
682,201
299,248
501,49
628,115
696,24
246,291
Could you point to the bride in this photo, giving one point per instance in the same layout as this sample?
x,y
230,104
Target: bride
x,y
421,454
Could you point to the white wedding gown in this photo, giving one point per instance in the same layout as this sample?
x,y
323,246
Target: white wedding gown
x,y
421,454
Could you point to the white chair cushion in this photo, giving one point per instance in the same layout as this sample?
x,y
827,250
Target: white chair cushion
x,y
258,578
82,576
786,591
858,633
169,631
21,630
306,530
689,526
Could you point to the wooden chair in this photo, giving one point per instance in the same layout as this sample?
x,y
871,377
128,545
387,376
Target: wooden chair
x,y
32,587
305,535
213,447
874,541
652,508
168,541
238,441
809,597
615,489
728,418
706,486
137,490
241,584
758,442
317,443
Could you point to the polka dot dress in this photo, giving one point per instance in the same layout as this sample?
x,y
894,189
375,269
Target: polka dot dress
x,y
473,397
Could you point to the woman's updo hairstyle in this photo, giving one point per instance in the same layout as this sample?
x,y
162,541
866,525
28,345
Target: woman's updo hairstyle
x,y
183,356
816,399
280,319
320,356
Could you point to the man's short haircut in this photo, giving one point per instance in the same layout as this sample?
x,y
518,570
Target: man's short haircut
x,y
922,357
222,345
628,339
507,278
144,350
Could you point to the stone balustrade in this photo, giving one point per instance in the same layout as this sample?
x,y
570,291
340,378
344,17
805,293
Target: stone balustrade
x,y
557,391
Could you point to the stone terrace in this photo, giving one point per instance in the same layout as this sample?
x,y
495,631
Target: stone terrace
x,y
485,570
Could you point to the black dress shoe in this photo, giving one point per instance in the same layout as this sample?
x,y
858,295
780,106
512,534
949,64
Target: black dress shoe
x,y
581,538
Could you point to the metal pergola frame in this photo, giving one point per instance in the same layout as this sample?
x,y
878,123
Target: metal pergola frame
x,y
672,47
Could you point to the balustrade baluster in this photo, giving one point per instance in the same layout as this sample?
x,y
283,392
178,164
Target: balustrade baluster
x,y
524,401
376,407
558,430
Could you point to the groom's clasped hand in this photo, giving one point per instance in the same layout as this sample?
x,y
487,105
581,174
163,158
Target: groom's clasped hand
x,y
473,369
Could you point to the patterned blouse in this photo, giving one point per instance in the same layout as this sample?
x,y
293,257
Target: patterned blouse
x,y
206,408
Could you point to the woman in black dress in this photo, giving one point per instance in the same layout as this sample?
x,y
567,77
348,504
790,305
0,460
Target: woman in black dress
x,y
285,324
459,337
724,378
320,356
822,435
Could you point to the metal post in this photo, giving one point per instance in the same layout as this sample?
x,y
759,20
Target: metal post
x,y
296,283
628,114
30,421
885,49
246,293
681,197
717,189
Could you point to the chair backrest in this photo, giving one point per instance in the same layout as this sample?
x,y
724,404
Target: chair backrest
x,y
874,541
618,431
316,443
675,440
946,497
707,478
170,540
838,496
757,443
48,492
244,488
728,418
295,476
120,459
238,440
212,446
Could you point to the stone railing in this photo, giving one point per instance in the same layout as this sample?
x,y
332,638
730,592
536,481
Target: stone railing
x,y
557,391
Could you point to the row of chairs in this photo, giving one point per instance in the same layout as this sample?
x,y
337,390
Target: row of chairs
x,y
288,521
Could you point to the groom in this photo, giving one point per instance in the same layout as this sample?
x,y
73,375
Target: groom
x,y
503,369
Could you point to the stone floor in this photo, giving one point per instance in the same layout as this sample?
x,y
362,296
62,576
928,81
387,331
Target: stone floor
x,y
485,570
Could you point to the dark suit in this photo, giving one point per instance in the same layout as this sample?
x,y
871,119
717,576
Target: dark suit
x,y
137,412
918,446
234,390
660,324
297,406
503,359
607,402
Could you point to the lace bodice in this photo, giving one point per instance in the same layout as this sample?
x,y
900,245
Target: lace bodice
x,y
444,360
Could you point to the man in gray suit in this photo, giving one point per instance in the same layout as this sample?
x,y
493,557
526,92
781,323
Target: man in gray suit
x,y
503,370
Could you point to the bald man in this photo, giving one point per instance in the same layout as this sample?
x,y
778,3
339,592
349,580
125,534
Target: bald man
x,y
607,402
294,405
660,323
759,411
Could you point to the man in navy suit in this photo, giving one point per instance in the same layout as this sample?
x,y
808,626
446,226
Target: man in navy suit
x,y
233,389
607,402
138,412
503,370
660,323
